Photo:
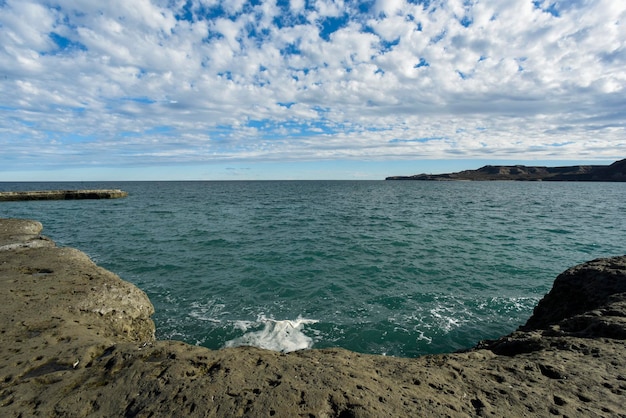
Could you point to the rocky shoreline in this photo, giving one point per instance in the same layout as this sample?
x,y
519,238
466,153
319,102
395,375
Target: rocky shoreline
x,y
77,341
615,172
62,195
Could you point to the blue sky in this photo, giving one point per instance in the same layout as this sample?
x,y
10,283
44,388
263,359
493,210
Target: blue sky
x,y
306,89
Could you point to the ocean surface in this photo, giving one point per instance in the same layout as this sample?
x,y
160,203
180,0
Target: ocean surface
x,y
396,268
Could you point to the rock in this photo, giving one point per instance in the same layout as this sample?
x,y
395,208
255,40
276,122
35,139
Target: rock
x,y
62,195
17,233
77,341
596,288
586,301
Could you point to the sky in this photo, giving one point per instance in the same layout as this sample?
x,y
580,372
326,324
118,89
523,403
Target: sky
x,y
306,89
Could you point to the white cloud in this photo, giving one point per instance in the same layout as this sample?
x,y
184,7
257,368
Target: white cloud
x,y
389,7
486,78
296,6
330,8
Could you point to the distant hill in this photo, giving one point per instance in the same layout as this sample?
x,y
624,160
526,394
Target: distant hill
x,y
613,172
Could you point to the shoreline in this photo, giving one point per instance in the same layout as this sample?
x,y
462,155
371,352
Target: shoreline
x,y
615,172
78,341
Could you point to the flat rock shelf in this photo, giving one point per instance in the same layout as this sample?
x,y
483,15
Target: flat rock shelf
x,y
78,341
62,195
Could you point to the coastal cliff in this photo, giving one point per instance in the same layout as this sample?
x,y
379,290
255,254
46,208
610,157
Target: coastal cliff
x,y
615,172
77,341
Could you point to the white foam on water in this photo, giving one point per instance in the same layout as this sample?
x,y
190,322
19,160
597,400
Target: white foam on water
x,y
449,313
244,325
445,319
284,336
207,311
423,337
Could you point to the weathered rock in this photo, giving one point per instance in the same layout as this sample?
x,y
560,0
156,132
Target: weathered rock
x,y
77,341
590,288
586,301
62,195
17,233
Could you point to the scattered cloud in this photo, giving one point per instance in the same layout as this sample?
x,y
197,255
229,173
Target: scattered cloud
x,y
86,83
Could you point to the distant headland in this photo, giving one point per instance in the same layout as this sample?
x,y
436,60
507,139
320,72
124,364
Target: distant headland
x,y
614,172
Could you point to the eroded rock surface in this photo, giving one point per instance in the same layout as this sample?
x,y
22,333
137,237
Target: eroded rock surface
x,y
77,341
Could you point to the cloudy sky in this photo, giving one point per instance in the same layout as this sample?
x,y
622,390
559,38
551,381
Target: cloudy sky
x,y
214,89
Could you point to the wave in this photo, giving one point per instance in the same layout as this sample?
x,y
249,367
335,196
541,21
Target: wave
x,y
284,336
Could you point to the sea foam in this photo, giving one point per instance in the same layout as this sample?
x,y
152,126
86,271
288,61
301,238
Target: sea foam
x,y
284,336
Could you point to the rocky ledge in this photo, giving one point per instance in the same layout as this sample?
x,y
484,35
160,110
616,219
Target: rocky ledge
x,y
615,172
77,341
62,195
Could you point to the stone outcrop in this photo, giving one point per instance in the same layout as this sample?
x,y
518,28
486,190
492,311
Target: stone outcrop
x,y
615,172
77,341
586,301
62,195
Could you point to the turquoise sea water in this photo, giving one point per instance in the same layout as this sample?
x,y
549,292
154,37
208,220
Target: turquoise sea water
x,y
398,268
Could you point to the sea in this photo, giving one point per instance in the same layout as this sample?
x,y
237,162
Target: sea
x,y
398,268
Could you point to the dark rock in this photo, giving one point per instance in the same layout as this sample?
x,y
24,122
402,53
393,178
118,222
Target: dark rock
x,y
586,301
580,289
